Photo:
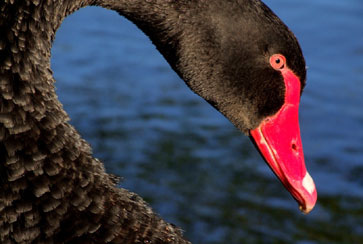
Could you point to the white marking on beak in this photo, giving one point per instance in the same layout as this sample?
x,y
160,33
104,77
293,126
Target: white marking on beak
x,y
308,183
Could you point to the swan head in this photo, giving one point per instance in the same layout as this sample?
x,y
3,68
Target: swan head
x,y
244,61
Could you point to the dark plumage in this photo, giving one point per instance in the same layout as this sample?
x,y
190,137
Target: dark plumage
x,y
52,190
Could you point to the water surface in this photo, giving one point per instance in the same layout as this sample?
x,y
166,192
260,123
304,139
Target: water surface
x,y
188,161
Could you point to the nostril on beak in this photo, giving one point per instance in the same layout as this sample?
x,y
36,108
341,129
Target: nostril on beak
x,y
294,147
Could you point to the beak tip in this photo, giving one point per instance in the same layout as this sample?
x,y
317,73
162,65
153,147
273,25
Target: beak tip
x,y
306,209
309,203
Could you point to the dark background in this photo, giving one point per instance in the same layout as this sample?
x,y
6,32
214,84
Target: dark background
x,y
188,161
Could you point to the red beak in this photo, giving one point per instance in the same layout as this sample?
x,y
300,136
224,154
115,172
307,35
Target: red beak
x,y
278,140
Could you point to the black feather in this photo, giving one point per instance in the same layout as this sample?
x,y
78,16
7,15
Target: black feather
x,y
52,190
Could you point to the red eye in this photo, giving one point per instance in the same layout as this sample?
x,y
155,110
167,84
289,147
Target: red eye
x,y
278,61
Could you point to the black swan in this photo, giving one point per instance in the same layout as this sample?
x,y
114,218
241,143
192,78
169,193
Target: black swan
x,y
236,54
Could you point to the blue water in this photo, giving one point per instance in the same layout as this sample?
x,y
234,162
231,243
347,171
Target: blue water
x,y
188,161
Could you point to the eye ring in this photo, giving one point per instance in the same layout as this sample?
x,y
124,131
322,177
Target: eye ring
x,y
278,61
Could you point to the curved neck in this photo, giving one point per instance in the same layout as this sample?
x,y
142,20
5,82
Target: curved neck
x,y
43,160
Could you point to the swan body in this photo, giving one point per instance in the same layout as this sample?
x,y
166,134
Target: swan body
x,y
52,189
